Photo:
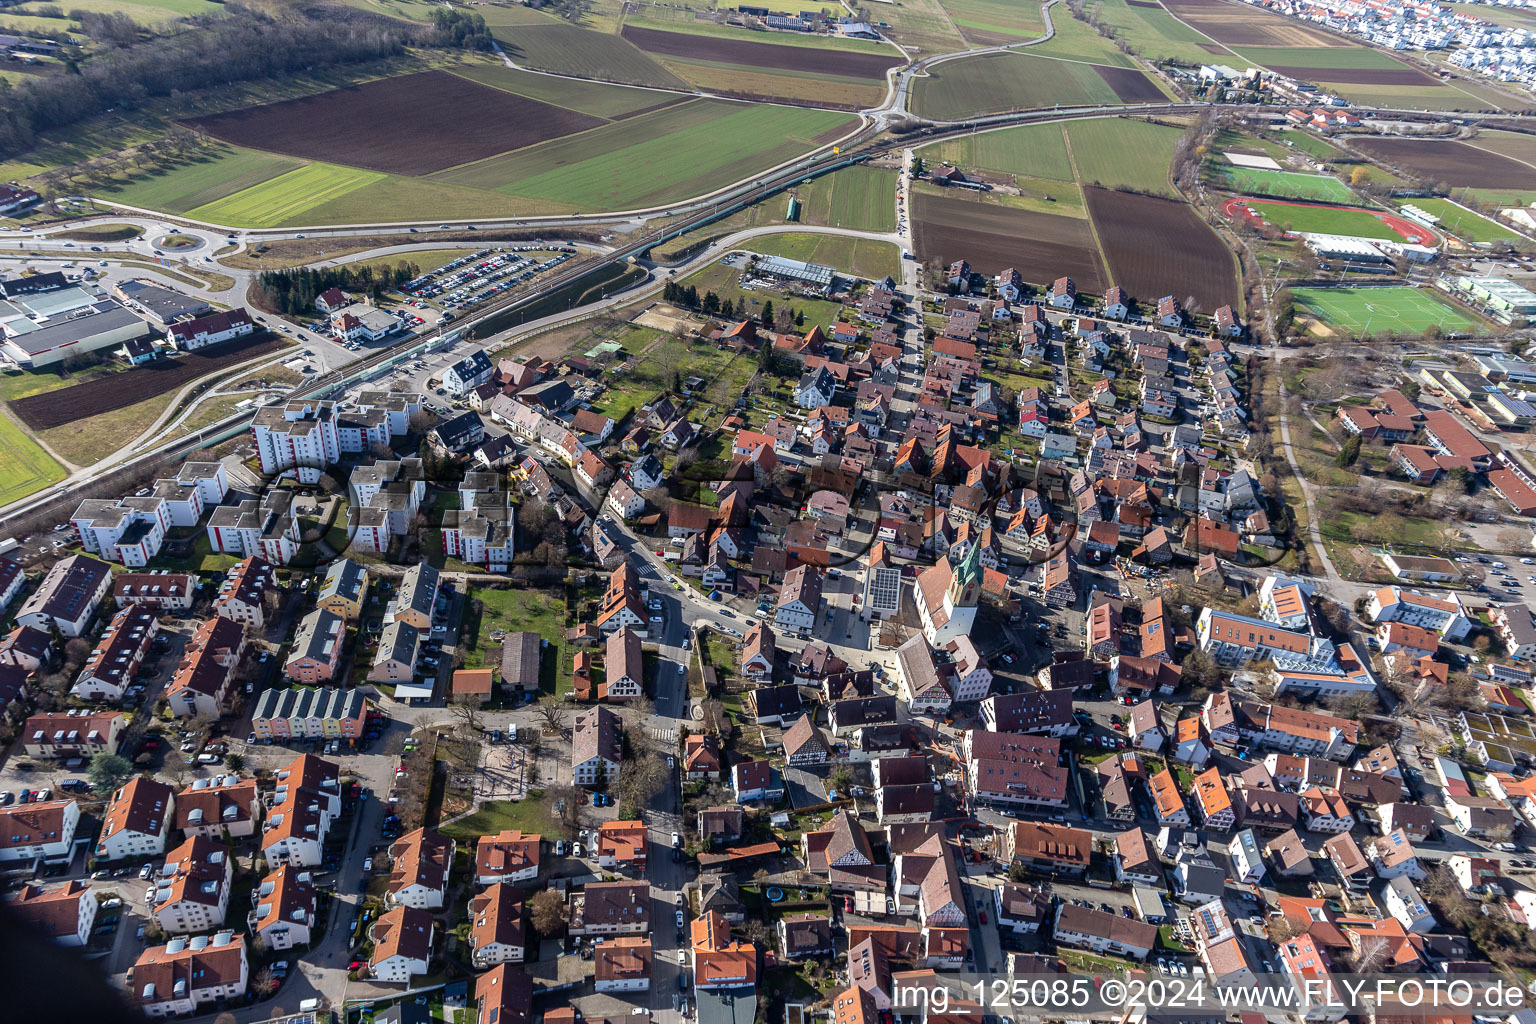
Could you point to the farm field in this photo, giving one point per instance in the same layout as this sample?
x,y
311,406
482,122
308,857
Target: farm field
x,y
1035,150
1379,310
202,181
1154,34
24,467
1302,218
923,27
1310,144
1455,163
1155,247
1237,25
595,98
1461,222
285,197
116,391
996,22
833,48
547,43
1041,246
1364,75
395,198
1285,184
363,126
1508,144
710,143
802,60
855,197
145,12
861,256
1118,152
1016,81
1076,40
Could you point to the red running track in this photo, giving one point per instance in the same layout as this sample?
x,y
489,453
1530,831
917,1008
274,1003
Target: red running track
x,y
1406,229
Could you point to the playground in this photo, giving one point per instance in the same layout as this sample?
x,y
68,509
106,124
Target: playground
x,y
1396,310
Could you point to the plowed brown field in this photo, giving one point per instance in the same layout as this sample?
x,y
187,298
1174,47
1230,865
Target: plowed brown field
x,y
1041,246
761,55
1454,163
120,390
414,125
1243,25
1156,247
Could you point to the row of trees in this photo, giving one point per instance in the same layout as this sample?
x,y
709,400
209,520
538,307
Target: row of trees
x,y
713,305
294,291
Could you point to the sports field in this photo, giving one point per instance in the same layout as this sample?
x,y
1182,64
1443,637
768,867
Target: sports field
x,y
24,467
1326,220
1461,222
1285,184
286,196
1380,310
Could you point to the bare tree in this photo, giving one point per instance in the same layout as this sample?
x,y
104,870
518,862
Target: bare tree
x,y
1371,954
546,909
467,710
551,711
640,779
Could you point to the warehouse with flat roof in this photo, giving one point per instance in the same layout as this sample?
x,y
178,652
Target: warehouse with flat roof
x,y
796,270
43,327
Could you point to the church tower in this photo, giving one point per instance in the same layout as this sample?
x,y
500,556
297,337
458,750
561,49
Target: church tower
x,y
965,588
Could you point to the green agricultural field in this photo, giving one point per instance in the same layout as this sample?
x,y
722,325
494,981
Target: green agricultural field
x,y
860,256
596,98
1283,184
1154,33
24,467
399,198
1321,57
859,197
286,196
631,165
1380,310
1463,223
1035,150
187,186
1325,220
145,12
1503,196
1007,81
1075,40
692,26
553,45
1119,152
984,19
922,26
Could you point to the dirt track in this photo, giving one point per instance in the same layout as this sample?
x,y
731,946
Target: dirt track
x,y
414,125
1454,163
1156,247
761,55
1041,246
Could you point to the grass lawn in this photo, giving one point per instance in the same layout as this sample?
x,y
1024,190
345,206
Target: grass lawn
x,y
1116,151
24,467
1285,184
1310,144
1462,222
1018,18
286,196
202,558
499,815
1379,310
427,260
860,256
538,611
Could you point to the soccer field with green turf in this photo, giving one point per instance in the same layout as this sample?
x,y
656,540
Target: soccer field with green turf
x,y
1380,310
